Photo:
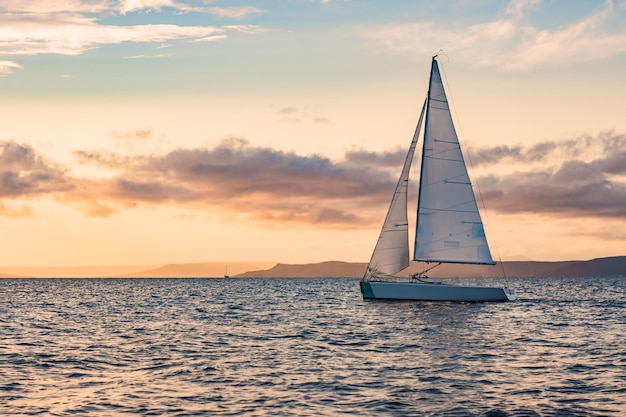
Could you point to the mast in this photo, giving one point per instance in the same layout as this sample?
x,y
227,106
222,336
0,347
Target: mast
x,y
419,190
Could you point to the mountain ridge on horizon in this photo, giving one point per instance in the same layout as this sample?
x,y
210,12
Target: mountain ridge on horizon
x,y
607,266
597,267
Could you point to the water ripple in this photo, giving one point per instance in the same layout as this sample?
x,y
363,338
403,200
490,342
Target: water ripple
x,y
306,347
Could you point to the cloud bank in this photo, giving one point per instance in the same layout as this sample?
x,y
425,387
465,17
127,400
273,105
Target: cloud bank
x,y
589,180
510,41
581,177
31,27
262,183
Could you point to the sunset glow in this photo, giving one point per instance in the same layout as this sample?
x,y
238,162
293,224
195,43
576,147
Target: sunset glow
x,y
159,131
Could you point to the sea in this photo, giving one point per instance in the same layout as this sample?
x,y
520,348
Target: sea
x,y
308,347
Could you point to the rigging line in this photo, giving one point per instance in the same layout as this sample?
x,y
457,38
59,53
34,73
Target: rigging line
x,y
421,274
452,105
443,159
448,210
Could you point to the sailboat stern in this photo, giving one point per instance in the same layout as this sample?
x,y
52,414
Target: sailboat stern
x,y
510,293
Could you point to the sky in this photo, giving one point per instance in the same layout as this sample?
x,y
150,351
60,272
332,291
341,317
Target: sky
x,y
144,132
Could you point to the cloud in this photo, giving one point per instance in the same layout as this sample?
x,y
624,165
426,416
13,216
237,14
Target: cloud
x,y
585,146
517,8
291,114
25,173
385,159
143,56
583,177
233,12
127,6
615,163
576,189
308,187
54,6
589,39
579,177
8,67
74,35
141,135
103,159
74,27
11,212
234,168
211,38
511,43
263,184
122,7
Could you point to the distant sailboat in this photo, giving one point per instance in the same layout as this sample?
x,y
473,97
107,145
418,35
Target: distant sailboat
x,y
448,228
226,271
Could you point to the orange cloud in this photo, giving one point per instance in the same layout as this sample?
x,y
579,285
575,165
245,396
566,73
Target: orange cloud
x,y
581,177
24,173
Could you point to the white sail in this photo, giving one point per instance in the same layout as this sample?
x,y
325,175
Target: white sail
x,y
449,228
391,253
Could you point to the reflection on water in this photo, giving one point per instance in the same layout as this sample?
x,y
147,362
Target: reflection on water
x,y
307,347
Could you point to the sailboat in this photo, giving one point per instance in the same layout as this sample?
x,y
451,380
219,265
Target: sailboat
x,y
448,226
226,271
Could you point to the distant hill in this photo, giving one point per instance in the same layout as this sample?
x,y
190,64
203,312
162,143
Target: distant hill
x,y
601,267
197,270
191,270
330,269
70,271
12,276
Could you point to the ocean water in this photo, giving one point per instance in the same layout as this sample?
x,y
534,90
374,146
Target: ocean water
x,y
307,347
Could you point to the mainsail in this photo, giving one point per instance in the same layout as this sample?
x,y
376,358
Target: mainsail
x,y
449,228
391,253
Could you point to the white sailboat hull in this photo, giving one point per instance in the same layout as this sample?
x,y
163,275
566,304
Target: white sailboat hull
x,y
434,292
